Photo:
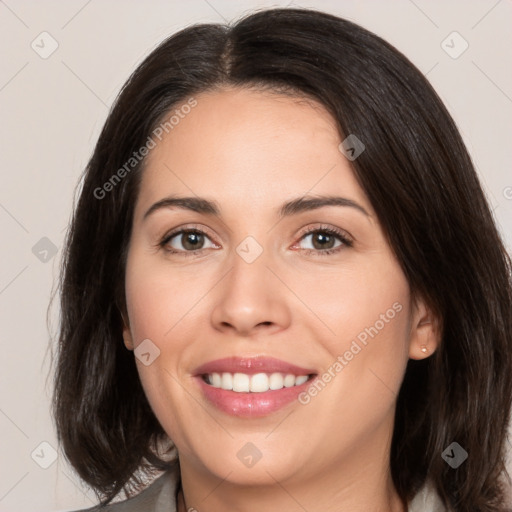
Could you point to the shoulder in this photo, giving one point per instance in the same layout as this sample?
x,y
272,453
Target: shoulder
x,y
426,500
159,496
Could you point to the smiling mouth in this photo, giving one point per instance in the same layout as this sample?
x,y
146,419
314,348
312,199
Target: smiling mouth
x,y
254,383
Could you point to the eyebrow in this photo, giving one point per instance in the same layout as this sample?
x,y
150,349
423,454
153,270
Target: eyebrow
x,y
293,207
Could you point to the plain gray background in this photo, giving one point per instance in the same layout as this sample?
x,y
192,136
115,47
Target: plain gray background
x,y
53,107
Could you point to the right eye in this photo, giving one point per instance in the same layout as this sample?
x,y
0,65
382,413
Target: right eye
x,y
185,241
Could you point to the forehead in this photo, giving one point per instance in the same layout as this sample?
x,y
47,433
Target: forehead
x,y
244,146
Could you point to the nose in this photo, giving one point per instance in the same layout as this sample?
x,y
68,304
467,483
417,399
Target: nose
x,y
250,299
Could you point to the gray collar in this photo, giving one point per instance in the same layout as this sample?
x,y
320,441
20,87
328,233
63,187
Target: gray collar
x,y
159,496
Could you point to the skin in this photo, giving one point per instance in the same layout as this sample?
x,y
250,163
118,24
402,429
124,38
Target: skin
x,y
251,151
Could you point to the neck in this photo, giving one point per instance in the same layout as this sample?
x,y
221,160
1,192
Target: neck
x,y
362,481
389,502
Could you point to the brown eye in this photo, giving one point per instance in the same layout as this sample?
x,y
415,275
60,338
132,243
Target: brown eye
x,y
325,241
186,241
191,240
321,240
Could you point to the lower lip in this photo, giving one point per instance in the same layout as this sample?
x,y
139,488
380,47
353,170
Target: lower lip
x,y
251,405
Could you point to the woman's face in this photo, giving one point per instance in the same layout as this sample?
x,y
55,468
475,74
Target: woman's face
x,y
257,281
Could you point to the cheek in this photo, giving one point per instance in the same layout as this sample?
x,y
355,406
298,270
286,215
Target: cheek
x,y
366,354
158,300
164,305
363,302
365,315
159,307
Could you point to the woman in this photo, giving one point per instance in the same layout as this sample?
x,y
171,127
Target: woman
x,y
282,264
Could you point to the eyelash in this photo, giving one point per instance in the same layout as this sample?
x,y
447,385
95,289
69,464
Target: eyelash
x,y
341,235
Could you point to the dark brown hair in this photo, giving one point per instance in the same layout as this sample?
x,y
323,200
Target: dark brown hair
x,y
421,182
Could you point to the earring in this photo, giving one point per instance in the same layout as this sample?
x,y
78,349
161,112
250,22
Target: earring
x,y
424,349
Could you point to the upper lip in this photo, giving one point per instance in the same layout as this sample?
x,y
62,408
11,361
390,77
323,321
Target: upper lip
x,y
251,365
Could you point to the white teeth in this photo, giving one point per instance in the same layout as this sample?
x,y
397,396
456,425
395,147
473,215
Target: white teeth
x,y
289,381
276,381
301,379
240,382
216,380
257,383
227,381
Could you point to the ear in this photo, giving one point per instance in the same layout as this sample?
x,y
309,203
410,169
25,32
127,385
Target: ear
x,y
127,335
425,335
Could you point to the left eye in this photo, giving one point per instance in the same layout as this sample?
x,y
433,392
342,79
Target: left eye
x,y
323,240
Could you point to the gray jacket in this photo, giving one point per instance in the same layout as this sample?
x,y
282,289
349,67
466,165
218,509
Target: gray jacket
x,y
160,496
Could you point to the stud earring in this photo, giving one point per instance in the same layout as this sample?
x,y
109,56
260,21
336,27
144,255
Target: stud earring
x,y
424,349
